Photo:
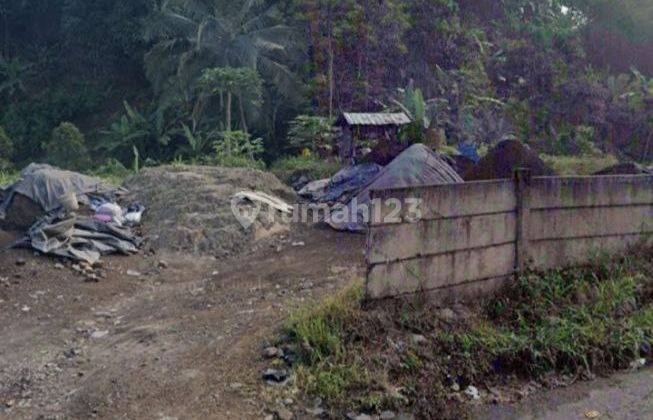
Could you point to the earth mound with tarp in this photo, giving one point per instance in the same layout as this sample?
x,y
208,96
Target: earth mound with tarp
x,y
190,208
502,160
67,214
416,166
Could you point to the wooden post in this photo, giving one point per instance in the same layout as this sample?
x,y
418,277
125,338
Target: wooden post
x,y
522,190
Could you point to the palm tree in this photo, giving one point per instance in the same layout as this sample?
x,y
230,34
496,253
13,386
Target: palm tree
x,y
191,35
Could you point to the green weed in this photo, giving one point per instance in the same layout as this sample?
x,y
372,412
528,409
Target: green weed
x,y
579,165
8,178
314,168
590,319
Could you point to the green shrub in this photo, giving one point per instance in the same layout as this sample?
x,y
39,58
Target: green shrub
x,y
314,168
8,178
113,172
578,165
237,149
6,150
576,141
67,148
316,134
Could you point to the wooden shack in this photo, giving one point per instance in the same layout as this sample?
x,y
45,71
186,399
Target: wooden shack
x,y
376,127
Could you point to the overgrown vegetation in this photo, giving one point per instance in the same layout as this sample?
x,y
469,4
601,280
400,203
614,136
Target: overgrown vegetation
x,y
579,165
312,167
167,79
412,356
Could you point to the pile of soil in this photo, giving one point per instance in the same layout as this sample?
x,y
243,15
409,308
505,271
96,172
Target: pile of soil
x,y
22,214
189,208
501,162
625,169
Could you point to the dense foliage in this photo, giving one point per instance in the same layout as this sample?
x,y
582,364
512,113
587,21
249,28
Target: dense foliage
x,y
165,80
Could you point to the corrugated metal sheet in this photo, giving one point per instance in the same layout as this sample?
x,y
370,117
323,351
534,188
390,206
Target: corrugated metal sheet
x,y
353,118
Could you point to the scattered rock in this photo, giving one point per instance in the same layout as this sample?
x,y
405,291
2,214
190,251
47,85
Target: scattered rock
x,y
92,278
418,339
592,414
446,314
275,375
637,364
359,416
25,308
472,392
99,334
133,273
102,314
272,352
59,266
20,261
72,353
388,415
299,244
316,412
162,264
284,414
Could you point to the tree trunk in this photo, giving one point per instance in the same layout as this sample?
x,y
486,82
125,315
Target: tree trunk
x,y
228,125
243,119
331,59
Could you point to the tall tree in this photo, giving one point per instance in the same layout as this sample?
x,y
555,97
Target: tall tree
x,y
189,36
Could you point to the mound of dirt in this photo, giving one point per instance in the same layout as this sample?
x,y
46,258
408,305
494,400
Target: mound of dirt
x,y
501,162
625,169
189,208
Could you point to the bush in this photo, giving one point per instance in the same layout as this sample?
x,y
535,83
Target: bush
x,y
578,165
113,172
576,141
6,150
237,149
314,168
67,148
313,133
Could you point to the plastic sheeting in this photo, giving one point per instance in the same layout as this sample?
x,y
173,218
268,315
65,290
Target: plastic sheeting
x,y
61,232
342,186
46,185
416,166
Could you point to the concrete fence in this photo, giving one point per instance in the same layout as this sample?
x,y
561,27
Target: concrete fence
x,y
470,238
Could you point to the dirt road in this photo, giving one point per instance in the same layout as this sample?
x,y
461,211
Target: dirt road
x,y
625,396
177,342
185,341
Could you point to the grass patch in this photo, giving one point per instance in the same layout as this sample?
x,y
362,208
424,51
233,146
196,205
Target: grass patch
x,y
314,168
579,165
7,178
405,355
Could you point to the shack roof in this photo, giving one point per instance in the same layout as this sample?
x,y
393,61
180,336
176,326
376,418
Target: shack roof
x,y
373,119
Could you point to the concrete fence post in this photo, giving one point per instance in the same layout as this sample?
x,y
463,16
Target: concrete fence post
x,y
522,178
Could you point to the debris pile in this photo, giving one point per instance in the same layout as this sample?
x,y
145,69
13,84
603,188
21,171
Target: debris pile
x,y
416,166
342,186
46,202
501,162
191,208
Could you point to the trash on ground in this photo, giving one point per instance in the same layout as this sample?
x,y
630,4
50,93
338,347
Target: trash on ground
x,y
61,227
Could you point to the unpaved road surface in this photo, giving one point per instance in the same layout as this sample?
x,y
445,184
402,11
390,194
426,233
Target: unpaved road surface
x,y
177,342
185,341
625,396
